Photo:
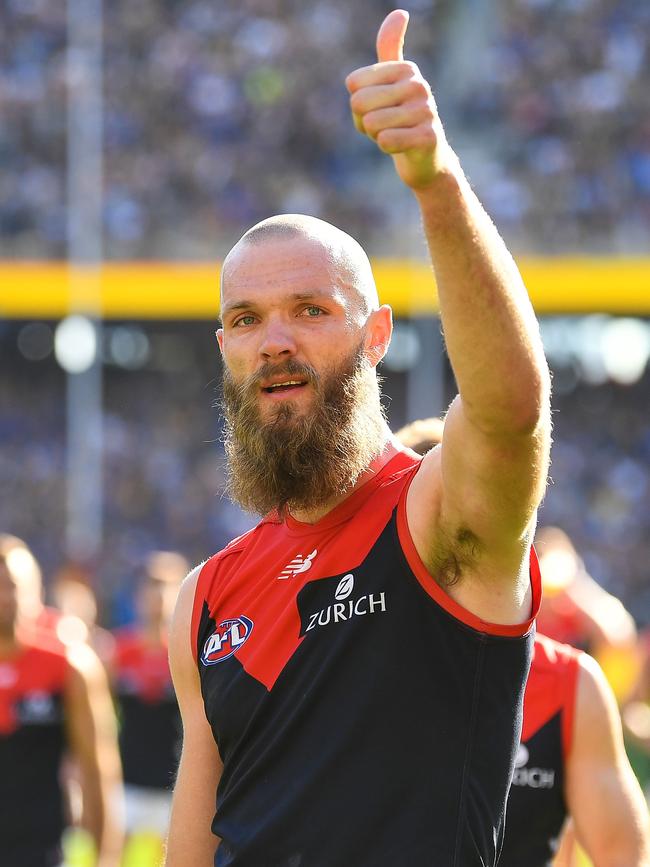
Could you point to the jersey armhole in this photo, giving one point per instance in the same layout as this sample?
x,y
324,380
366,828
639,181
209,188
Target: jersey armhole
x,y
435,591
200,596
568,710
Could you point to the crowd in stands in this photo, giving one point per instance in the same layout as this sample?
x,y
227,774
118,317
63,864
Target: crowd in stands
x,y
216,115
564,93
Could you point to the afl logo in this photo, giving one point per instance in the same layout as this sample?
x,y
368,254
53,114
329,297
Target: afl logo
x,y
345,587
227,638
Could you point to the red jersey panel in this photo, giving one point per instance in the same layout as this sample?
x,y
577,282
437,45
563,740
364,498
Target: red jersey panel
x,y
32,743
362,716
536,805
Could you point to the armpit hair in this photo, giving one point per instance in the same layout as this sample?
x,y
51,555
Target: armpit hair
x,y
453,554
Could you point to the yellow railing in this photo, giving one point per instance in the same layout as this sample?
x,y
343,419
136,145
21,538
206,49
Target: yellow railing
x,y
182,290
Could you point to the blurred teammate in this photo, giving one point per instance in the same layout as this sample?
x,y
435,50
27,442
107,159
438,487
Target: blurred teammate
x,y
54,701
150,730
29,588
376,625
577,610
571,760
75,599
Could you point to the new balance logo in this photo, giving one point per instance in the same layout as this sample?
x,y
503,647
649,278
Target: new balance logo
x,y
298,564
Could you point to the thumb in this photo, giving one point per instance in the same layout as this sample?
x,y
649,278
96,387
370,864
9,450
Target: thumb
x,y
390,39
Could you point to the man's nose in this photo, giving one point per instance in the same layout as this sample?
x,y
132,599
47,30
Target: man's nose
x,y
278,341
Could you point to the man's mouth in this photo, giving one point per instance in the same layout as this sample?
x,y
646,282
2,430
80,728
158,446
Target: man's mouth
x,y
286,385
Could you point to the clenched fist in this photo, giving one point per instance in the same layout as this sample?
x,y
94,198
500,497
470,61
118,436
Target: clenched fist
x,y
392,104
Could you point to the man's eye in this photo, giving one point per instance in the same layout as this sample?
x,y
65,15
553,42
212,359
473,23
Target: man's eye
x,y
245,320
312,311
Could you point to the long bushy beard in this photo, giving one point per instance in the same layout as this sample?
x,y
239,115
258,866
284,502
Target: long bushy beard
x,y
297,461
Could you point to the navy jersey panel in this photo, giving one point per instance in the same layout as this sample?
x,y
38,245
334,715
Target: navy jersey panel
x,y
384,732
150,730
537,808
32,745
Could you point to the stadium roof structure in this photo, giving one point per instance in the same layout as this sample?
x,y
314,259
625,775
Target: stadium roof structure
x,y
182,290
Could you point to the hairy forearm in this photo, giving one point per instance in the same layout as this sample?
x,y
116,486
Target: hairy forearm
x,y
491,333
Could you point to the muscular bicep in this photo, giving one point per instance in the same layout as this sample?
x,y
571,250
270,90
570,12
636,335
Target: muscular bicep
x,y
603,796
491,484
190,839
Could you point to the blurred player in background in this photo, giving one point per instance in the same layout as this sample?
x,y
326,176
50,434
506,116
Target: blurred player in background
x,y
75,599
378,621
34,613
54,702
150,730
571,760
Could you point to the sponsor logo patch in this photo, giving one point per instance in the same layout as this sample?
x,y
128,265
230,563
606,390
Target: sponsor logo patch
x,y
531,778
226,639
345,587
347,607
298,565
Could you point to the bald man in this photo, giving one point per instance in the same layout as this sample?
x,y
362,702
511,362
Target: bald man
x,y
350,673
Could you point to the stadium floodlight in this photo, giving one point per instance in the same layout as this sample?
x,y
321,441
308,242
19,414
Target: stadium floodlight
x,y
626,349
75,344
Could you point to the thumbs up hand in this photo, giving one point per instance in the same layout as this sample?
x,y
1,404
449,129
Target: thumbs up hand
x,y
393,105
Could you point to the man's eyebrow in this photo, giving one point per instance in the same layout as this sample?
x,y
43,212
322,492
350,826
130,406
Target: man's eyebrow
x,y
235,305
329,294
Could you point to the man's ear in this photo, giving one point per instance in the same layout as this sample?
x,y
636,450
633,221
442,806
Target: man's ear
x,y
378,334
219,334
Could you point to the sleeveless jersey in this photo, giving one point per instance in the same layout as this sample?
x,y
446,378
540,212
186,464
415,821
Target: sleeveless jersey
x,y
32,744
536,805
150,729
362,716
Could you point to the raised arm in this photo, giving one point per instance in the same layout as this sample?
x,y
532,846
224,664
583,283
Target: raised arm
x,y
603,796
92,735
190,839
472,507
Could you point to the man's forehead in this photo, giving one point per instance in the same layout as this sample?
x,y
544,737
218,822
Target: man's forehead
x,y
277,255
298,262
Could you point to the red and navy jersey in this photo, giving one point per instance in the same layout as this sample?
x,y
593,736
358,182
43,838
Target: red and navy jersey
x,y
536,806
363,717
150,729
32,745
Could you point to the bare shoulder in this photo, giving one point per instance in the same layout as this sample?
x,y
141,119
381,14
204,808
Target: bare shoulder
x,y
595,698
597,719
181,658
185,600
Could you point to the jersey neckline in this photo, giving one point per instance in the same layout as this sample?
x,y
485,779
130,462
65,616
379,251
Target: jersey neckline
x,y
401,461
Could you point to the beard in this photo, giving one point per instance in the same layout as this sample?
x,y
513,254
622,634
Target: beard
x,y
302,461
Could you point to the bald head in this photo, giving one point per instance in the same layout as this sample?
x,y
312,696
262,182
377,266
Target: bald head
x,y
346,255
